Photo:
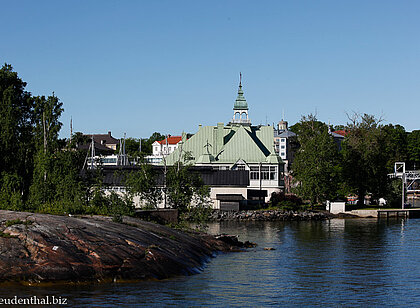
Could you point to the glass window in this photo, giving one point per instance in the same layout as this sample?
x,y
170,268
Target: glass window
x,y
265,173
273,172
255,173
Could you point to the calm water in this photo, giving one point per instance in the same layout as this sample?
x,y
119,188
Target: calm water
x,y
353,262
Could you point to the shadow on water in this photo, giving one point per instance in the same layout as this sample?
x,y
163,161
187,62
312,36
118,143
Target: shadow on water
x,y
341,262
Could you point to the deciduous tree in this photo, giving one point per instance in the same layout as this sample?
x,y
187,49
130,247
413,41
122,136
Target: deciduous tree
x,y
315,167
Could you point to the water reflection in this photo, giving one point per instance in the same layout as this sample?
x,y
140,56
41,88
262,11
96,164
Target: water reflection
x,y
352,262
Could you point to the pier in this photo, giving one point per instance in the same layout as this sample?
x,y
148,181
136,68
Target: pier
x,y
406,213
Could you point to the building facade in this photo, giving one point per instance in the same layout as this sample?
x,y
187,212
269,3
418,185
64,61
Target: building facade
x,y
163,148
237,146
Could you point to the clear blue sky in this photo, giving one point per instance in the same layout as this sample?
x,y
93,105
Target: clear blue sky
x,y
168,66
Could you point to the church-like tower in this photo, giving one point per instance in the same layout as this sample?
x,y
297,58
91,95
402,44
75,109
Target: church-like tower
x,y
240,108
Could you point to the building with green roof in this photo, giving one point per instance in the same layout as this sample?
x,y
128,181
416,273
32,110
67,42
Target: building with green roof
x,y
235,146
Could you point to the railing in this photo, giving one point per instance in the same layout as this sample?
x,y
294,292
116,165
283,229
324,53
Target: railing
x,y
241,121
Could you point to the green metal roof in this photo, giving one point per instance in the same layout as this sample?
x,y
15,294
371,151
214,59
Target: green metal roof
x,y
227,144
240,103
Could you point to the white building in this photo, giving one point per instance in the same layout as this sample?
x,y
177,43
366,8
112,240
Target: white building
x,y
163,148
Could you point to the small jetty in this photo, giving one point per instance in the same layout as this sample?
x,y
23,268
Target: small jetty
x,y
406,213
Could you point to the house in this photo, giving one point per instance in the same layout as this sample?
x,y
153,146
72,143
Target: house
x,y
106,140
283,144
237,146
339,136
163,148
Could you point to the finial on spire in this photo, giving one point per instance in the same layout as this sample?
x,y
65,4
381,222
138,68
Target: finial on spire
x,y
240,79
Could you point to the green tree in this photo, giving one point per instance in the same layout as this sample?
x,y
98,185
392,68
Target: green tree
x,y
143,183
146,145
365,158
396,144
316,164
132,147
16,142
47,126
186,190
413,148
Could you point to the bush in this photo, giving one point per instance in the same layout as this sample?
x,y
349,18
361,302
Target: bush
x,y
112,205
286,202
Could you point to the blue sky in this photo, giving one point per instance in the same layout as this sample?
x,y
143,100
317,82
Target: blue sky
x,y
137,67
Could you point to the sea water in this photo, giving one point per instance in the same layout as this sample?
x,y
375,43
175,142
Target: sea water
x,y
338,263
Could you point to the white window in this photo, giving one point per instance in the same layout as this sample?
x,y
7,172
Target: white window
x,y
283,139
273,172
255,173
265,174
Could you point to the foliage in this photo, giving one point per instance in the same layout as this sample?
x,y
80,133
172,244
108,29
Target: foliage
x,y
187,192
146,145
413,148
394,194
113,204
316,166
78,138
11,193
143,183
285,202
200,209
16,150
395,144
18,222
365,157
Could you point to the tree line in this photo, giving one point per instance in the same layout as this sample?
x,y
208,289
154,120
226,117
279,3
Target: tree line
x,y
359,165
41,172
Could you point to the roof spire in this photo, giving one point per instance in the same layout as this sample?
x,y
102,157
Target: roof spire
x,y
240,102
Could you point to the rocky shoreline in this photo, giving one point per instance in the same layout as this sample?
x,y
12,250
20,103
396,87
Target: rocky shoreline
x,y
40,248
268,215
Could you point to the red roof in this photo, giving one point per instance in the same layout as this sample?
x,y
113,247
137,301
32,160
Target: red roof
x,y
171,140
342,132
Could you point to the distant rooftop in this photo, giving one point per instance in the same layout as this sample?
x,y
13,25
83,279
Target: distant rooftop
x,y
171,140
341,132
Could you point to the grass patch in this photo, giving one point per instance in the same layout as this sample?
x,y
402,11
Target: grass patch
x,y
18,222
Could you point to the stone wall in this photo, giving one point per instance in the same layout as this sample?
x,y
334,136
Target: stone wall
x,y
272,215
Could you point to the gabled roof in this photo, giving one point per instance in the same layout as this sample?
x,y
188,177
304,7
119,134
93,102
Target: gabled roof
x,y
241,146
341,132
335,135
103,138
227,144
172,140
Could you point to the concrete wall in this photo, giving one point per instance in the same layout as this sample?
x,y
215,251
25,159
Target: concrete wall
x,y
364,213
